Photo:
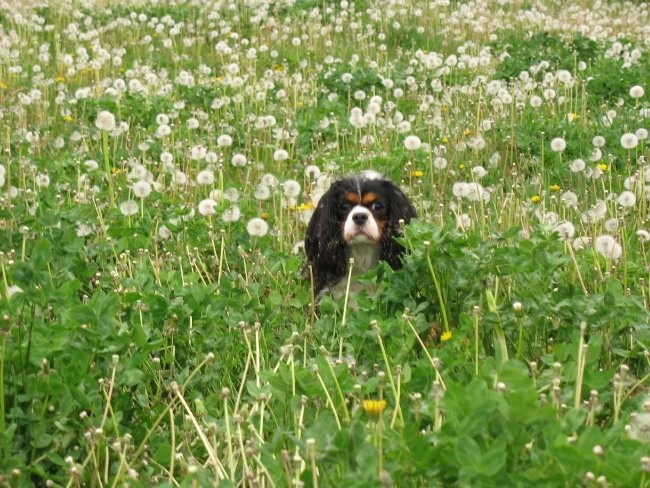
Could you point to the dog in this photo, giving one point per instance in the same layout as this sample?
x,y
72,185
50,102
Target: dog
x,y
357,217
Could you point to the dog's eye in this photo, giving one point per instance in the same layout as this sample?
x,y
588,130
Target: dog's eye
x,y
377,207
345,207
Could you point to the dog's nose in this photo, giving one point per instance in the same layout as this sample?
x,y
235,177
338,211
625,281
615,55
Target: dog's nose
x,y
360,218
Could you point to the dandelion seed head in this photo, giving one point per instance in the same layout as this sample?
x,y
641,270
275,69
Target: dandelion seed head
x,y
207,206
141,189
257,227
643,236
598,141
205,177
577,165
280,155
291,188
626,199
239,160
224,140
566,230
105,121
232,214
412,142
629,141
558,144
607,246
231,194
637,91
129,207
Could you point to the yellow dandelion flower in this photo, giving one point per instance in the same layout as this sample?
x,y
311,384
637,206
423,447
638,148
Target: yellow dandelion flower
x,y
467,132
264,215
446,336
535,199
417,173
302,207
555,187
462,166
59,78
3,86
68,118
373,407
603,167
116,171
445,140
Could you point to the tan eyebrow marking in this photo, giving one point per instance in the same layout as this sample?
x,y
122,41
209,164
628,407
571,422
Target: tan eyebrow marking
x,y
352,197
368,198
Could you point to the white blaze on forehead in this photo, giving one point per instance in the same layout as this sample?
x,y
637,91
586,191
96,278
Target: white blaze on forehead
x,y
368,230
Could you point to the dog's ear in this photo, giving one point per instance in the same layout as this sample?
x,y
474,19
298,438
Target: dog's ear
x,y
324,244
399,208
399,205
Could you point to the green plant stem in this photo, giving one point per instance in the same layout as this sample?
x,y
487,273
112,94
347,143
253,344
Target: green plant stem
x,y
338,390
107,168
436,283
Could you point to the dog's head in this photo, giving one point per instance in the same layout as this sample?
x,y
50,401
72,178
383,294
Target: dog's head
x,y
358,216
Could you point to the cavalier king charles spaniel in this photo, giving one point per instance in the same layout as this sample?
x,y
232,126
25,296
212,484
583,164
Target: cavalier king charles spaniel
x,y
358,217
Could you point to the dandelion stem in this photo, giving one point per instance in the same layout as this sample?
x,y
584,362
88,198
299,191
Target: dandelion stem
x,y
107,167
436,283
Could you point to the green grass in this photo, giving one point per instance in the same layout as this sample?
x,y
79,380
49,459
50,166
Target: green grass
x,y
154,342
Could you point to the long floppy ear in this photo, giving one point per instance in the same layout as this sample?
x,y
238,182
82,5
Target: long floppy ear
x,y
324,244
399,208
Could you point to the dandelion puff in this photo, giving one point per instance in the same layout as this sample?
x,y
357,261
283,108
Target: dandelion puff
x,y
129,207
83,230
577,165
232,214
105,121
626,199
611,225
629,141
439,163
164,232
42,180
641,134
141,189
598,141
12,290
291,188
224,140
91,165
257,227
280,155
231,194
205,177
261,192
269,180
312,171
479,171
637,91
566,230
579,243
558,144
463,221
460,189
607,246
412,142
643,236
238,160
207,207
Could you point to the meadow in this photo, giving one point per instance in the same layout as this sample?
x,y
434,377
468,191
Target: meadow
x,y
160,161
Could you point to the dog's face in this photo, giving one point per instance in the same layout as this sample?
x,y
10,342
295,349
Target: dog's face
x,y
363,216
358,216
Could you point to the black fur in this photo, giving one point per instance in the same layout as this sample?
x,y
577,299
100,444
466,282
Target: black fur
x,y
324,244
